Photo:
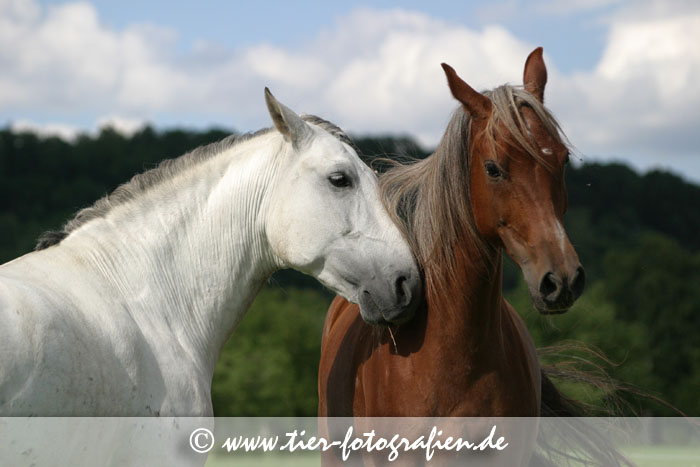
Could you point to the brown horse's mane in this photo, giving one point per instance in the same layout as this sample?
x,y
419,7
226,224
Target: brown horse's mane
x,y
430,198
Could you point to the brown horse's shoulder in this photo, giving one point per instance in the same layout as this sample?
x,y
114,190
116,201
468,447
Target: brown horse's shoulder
x,y
515,318
335,311
342,347
528,345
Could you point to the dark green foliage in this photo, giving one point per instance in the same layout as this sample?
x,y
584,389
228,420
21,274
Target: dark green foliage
x,y
611,206
657,282
592,321
644,315
376,149
44,181
636,235
270,365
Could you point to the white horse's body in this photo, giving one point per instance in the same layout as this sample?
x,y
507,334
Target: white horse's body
x,y
128,313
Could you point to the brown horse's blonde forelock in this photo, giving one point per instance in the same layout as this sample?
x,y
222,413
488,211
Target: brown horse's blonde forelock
x,y
430,198
507,101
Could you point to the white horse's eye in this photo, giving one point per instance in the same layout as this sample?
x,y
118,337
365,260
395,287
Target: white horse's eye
x,y
339,180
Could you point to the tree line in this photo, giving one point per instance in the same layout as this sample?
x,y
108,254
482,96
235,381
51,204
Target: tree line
x,y
636,235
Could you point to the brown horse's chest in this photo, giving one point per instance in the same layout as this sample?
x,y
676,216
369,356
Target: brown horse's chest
x,y
362,374
392,385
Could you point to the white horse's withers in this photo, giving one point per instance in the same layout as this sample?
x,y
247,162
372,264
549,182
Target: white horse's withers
x,y
126,310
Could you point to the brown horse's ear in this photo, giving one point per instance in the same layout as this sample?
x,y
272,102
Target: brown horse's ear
x,y
535,75
478,105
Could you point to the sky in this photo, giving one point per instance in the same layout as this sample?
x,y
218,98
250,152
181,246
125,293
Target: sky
x,y
624,76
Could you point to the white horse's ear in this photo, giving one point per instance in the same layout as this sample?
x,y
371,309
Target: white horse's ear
x,y
287,122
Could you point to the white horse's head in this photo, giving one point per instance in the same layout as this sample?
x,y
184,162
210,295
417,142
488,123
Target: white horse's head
x,y
326,219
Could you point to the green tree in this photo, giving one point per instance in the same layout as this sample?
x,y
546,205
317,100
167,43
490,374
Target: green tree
x,y
269,367
594,339
656,282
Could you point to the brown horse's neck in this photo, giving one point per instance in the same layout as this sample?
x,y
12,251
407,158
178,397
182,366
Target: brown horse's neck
x,y
462,272
467,312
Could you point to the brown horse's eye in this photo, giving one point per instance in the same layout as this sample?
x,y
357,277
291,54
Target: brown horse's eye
x,y
492,170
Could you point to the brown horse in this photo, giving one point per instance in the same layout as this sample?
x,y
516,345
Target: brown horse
x,y
495,182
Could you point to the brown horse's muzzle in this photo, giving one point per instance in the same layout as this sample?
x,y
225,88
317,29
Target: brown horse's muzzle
x,y
550,265
557,292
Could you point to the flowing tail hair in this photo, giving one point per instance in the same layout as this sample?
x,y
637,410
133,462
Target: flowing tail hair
x,y
573,439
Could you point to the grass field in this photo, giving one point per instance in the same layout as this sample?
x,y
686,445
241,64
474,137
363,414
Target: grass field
x,y
643,456
305,459
664,456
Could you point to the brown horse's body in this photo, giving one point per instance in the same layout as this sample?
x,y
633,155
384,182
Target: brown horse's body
x,y
495,182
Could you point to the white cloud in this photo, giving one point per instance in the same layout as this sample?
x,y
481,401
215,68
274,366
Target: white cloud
x,y
389,78
373,71
572,6
284,67
641,101
125,126
66,132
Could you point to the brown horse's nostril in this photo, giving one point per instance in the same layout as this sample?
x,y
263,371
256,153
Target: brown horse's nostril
x,y
550,286
578,282
559,293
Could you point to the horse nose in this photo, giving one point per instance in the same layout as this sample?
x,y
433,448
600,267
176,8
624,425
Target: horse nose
x,y
402,290
578,282
407,291
560,292
550,287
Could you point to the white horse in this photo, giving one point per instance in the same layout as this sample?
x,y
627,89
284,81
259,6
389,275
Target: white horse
x,y
125,311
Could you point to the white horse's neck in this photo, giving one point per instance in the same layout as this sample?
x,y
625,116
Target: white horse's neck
x,y
188,256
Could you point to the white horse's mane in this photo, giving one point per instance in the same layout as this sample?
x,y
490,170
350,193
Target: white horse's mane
x,y
166,170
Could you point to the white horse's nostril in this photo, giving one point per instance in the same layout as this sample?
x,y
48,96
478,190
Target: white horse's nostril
x,y
403,291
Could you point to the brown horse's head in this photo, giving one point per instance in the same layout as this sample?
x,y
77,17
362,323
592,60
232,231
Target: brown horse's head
x,y
517,192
